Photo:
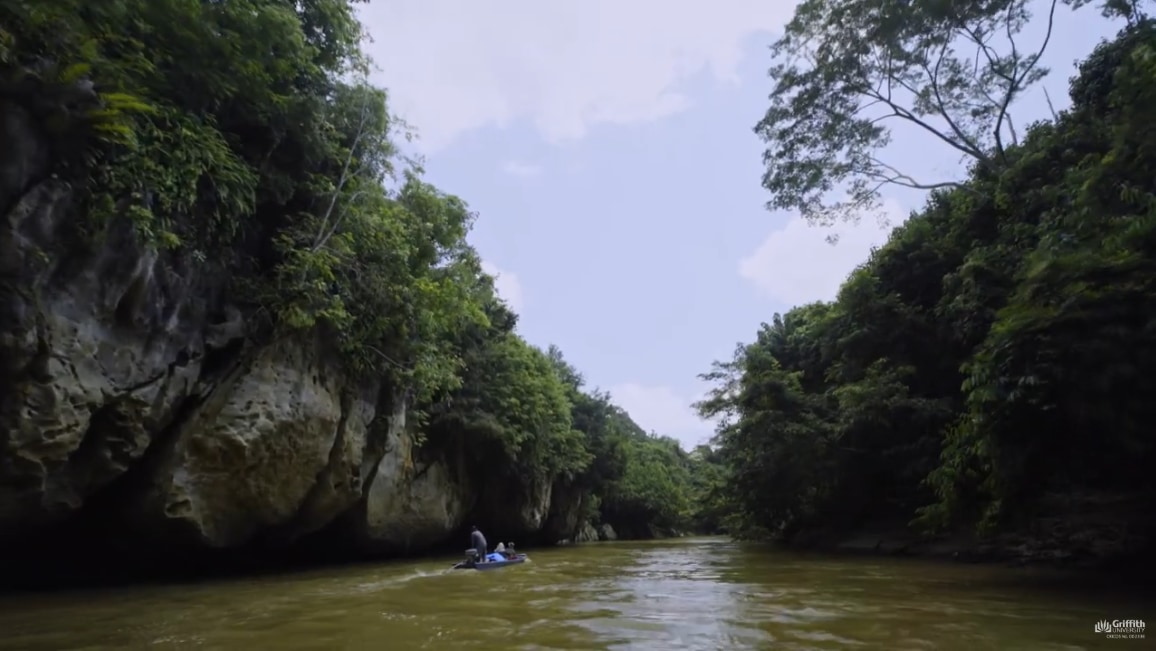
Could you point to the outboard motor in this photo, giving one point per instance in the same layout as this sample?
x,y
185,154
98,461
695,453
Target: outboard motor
x,y
472,556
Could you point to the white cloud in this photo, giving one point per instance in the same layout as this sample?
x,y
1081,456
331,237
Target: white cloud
x,y
508,286
456,65
664,411
797,264
523,170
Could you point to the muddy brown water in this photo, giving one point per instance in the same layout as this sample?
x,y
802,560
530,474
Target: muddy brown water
x,y
683,594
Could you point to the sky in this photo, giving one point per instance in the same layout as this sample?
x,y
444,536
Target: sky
x,y
608,150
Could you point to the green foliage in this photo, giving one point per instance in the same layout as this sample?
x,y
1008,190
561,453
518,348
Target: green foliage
x,y
513,404
179,87
708,491
245,133
640,483
997,349
527,411
244,136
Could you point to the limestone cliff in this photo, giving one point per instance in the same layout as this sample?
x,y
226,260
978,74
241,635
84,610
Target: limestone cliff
x,y
130,396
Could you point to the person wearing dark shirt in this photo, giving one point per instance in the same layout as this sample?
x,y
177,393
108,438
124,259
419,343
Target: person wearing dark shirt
x,y
478,542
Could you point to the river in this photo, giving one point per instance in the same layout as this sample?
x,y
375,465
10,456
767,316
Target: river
x,y
707,594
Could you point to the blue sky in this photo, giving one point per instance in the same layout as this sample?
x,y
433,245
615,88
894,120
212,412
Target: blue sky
x,y
608,150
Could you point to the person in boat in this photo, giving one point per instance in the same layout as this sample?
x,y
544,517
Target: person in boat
x,y
478,542
501,548
509,551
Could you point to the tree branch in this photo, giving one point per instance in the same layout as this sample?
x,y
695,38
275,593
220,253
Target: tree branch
x,y
899,178
1051,107
934,77
1012,84
344,178
900,112
1027,71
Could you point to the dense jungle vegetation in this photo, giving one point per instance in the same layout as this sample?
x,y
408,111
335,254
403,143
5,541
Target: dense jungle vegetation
x,y
245,136
993,361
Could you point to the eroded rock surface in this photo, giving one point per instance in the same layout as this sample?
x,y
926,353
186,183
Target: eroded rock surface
x,y
96,349
129,395
275,445
407,505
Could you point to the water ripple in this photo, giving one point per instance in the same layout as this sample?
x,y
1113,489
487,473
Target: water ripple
x,y
639,596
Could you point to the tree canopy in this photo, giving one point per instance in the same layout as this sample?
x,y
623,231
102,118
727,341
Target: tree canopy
x,y
848,72
245,137
993,355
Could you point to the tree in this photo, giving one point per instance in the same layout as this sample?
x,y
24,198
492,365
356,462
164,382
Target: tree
x,y
848,70
987,363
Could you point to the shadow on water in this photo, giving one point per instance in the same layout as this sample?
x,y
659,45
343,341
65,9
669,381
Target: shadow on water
x,y
64,567
68,562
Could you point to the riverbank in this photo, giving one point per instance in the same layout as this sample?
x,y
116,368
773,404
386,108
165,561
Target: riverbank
x,y
1091,534
1009,549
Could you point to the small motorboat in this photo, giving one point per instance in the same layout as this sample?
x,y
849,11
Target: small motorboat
x,y
492,561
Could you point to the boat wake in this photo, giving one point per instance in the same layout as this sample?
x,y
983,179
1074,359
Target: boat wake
x,y
387,583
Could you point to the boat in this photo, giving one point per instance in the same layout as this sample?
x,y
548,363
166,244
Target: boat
x,y
493,561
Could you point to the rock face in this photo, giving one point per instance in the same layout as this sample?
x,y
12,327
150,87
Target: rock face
x,y
568,506
407,506
276,443
129,396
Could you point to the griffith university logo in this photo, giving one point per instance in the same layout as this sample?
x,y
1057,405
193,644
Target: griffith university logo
x,y
1121,628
